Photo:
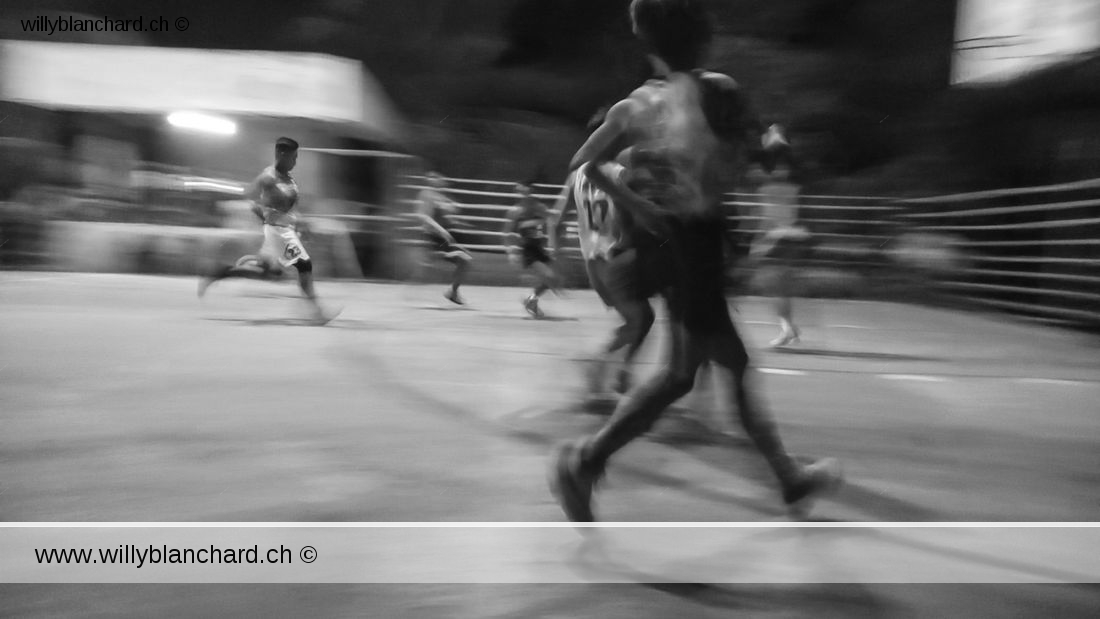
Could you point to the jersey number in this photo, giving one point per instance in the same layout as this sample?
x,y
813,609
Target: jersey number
x,y
600,205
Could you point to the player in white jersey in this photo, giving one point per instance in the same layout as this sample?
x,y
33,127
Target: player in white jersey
x,y
614,270
274,196
679,136
625,281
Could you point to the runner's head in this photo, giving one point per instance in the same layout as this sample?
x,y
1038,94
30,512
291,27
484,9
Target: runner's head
x,y
286,154
435,179
678,32
523,188
776,148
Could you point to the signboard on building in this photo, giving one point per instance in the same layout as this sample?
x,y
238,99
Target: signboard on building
x,y
998,40
160,80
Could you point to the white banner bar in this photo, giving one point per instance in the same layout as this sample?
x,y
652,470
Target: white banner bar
x,y
756,553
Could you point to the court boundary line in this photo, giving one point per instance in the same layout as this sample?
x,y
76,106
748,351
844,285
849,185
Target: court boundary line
x,y
558,525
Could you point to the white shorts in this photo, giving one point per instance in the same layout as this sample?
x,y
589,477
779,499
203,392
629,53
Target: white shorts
x,y
282,244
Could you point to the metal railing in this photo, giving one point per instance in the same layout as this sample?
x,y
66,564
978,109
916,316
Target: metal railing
x,y
1033,251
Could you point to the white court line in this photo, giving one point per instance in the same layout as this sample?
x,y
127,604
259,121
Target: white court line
x,y
917,377
4,280
776,324
427,382
781,372
773,524
1054,381
928,378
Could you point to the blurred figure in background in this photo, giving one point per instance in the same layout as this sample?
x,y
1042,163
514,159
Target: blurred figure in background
x,y
525,239
435,212
676,135
23,240
274,196
774,147
780,241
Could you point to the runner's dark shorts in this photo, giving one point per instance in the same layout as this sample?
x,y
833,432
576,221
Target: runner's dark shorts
x,y
697,296
634,274
534,252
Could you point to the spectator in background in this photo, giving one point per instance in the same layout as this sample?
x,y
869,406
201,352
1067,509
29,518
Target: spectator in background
x,y
780,238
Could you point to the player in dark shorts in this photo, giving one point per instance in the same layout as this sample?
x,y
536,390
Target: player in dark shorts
x,y
436,212
274,196
525,239
678,136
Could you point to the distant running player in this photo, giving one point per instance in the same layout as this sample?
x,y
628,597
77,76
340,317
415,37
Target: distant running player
x,y
781,240
525,239
274,196
436,214
679,136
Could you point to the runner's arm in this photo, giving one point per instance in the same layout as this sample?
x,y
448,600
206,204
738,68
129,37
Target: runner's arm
x,y
602,147
254,192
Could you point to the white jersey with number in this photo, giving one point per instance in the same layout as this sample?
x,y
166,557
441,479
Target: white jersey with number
x,y
599,225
